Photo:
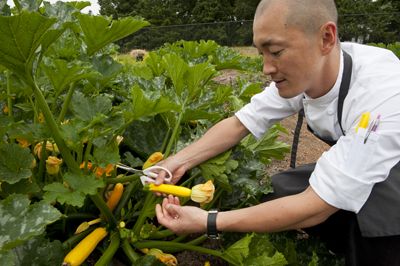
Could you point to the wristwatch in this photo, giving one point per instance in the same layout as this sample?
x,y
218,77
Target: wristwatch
x,y
212,231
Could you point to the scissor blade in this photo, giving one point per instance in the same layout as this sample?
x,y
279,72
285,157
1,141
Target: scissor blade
x,y
128,168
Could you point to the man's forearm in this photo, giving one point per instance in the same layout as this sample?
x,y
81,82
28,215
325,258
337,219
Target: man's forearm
x,y
216,140
293,212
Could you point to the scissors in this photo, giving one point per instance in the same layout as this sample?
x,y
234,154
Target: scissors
x,y
148,174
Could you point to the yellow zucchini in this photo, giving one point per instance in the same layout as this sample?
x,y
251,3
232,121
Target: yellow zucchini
x,y
80,253
171,189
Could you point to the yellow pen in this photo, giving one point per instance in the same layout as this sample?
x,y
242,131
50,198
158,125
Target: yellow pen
x,y
363,121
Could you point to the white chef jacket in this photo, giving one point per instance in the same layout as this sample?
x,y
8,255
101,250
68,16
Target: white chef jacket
x,y
345,174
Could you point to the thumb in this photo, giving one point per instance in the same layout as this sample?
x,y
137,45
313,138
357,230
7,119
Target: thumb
x,y
160,178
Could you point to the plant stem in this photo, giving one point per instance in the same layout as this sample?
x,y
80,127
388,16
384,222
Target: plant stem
x,y
129,252
9,98
73,240
148,202
66,103
105,211
129,178
107,256
167,245
161,234
51,123
125,196
174,134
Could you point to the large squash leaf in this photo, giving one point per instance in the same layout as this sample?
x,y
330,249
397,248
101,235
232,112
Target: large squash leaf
x,y
74,189
21,220
149,104
100,31
12,169
21,37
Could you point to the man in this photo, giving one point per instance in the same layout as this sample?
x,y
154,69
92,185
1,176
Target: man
x,y
309,68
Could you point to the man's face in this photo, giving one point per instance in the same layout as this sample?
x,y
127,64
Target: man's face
x,y
290,56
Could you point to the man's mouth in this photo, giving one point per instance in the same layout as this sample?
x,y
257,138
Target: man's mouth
x,y
279,81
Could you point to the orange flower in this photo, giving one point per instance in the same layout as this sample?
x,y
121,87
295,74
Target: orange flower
x,y
99,170
203,193
167,259
53,165
5,109
49,146
153,159
23,142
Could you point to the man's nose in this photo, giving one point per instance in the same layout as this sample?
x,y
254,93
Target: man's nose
x,y
268,67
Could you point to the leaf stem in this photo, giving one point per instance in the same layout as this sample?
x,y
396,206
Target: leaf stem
x,y
51,123
129,178
105,211
9,98
126,195
129,252
166,245
110,251
67,101
174,134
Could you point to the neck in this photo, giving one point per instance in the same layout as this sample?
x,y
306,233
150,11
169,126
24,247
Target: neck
x,y
327,76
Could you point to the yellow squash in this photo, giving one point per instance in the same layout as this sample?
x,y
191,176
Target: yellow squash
x,y
79,254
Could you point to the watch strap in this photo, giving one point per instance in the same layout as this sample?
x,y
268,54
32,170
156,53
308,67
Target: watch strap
x,y
212,231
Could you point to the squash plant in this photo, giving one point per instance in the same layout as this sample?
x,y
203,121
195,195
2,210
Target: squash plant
x,y
65,104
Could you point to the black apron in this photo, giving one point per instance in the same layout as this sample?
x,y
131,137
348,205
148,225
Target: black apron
x,y
370,237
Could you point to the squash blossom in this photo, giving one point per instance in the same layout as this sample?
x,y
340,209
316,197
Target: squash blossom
x,y
53,165
37,150
99,171
41,118
23,142
167,259
119,139
5,109
153,159
202,193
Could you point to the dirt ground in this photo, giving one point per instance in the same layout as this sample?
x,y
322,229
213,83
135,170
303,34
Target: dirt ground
x,y
309,149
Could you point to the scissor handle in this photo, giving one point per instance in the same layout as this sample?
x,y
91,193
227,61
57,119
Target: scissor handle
x,y
148,172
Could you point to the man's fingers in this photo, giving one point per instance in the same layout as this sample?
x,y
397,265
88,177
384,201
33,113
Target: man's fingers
x,y
160,178
176,201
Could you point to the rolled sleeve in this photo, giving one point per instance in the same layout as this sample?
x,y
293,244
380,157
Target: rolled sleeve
x,y
265,109
338,188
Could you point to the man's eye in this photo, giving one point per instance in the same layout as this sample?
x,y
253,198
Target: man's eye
x,y
277,53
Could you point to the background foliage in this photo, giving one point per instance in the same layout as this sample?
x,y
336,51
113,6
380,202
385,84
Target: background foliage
x,y
229,22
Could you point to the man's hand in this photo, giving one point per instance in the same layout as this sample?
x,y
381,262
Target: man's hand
x,y
181,219
177,170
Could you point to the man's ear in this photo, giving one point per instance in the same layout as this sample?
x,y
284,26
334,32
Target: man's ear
x,y
329,37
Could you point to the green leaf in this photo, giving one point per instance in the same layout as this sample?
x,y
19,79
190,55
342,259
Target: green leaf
x,y
24,186
239,250
35,252
74,191
151,105
176,69
8,258
63,73
100,31
5,9
107,154
264,260
268,146
218,167
196,78
20,38
87,184
29,5
88,109
58,192
21,221
12,170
